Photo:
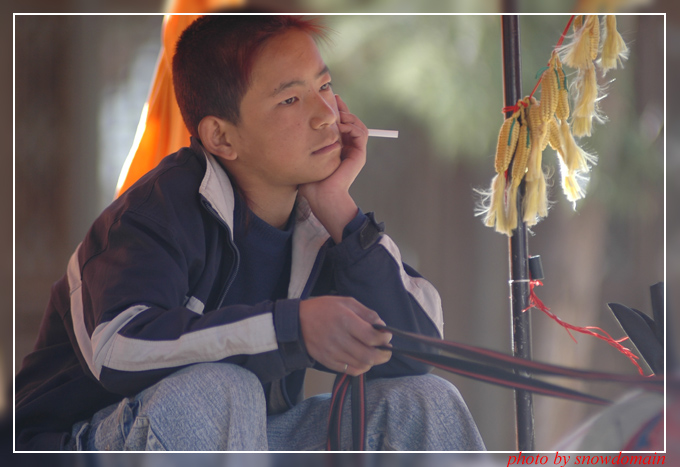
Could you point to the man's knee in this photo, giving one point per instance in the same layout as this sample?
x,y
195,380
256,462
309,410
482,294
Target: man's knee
x,y
428,396
426,389
205,406
207,389
423,412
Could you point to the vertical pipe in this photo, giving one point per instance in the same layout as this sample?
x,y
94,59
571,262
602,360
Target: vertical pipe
x,y
518,245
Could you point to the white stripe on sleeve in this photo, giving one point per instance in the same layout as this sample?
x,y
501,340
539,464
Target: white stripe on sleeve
x,y
246,337
108,348
421,289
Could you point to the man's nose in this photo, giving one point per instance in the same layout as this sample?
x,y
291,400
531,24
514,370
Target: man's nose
x,y
325,113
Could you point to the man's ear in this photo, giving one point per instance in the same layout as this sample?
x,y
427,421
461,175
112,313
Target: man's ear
x,y
215,135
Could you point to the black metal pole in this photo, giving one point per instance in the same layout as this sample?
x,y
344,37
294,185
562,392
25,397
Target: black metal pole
x,y
518,245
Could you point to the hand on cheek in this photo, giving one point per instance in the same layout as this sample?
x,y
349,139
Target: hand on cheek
x,y
354,136
329,199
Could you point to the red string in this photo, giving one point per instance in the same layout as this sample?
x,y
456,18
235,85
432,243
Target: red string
x,y
515,108
535,302
559,43
564,33
536,87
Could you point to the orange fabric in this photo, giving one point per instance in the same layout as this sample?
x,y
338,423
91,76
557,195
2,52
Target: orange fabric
x,y
161,129
200,6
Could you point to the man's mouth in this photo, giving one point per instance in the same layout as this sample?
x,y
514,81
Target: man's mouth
x,y
329,147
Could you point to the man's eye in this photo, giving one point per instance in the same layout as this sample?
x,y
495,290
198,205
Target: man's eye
x,y
326,86
289,101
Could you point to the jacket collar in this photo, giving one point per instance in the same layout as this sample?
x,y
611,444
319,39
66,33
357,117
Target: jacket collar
x,y
309,234
216,187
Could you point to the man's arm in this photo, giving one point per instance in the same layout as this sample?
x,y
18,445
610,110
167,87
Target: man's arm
x,y
129,283
329,199
367,265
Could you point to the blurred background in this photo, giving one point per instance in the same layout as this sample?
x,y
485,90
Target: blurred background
x,y
81,82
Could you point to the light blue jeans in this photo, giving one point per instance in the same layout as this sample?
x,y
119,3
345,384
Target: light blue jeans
x,y
221,407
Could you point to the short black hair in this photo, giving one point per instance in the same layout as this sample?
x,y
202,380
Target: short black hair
x,y
213,60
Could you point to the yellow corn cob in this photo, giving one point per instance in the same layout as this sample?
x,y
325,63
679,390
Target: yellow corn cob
x,y
537,130
507,142
562,109
524,136
593,26
554,136
519,162
534,113
549,92
519,167
545,136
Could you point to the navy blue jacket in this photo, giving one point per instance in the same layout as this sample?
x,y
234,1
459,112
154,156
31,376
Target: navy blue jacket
x,y
142,297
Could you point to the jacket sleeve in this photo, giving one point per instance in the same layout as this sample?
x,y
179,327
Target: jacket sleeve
x,y
367,265
135,325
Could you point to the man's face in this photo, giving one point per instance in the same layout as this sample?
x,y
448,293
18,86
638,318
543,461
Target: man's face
x,y
288,133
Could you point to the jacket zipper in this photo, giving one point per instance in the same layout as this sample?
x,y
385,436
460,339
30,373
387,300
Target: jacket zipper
x,y
234,250
316,270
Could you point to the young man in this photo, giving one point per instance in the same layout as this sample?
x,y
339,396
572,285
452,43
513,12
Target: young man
x,y
190,311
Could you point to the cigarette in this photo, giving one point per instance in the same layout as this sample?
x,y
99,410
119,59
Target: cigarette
x,y
383,133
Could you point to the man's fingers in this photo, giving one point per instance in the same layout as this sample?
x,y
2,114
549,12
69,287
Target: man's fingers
x,y
339,331
361,327
352,130
362,362
348,118
365,313
358,347
341,104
